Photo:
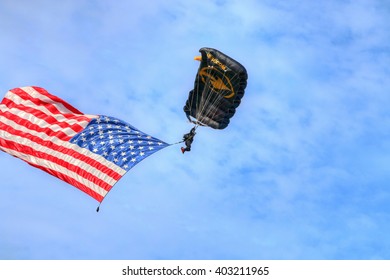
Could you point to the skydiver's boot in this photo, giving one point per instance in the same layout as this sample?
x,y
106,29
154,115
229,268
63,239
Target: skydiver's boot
x,y
186,149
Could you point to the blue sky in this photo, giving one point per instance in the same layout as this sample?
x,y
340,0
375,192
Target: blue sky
x,y
301,172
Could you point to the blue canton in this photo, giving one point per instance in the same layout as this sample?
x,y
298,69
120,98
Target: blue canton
x,y
117,141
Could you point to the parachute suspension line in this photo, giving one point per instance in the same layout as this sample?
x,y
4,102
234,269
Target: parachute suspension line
x,y
194,99
213,107
207,101
206,105
198,103
201,103
218,101
209,107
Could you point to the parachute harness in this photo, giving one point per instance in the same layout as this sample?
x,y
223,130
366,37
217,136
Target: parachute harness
x,y
188,138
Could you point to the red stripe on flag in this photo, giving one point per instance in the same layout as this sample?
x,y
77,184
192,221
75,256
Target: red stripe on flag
x,y
11,145
49,118
31,126
64,150
71,181
39,102
47,94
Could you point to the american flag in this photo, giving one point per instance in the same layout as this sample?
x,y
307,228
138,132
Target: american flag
x,y
90,152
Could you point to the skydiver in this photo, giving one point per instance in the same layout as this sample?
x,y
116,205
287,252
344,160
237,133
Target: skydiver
x,y
188,138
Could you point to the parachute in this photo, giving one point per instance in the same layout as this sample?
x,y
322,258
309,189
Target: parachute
x,y
219,86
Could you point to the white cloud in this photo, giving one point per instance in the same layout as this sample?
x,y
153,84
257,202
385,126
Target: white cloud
x,y
295,175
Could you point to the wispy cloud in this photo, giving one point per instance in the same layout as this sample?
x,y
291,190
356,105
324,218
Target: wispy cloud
x,y
301,171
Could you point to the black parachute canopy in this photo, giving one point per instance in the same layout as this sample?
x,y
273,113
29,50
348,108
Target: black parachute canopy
x,y
219,86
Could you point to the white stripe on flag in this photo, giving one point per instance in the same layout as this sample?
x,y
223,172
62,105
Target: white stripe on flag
x,y
59,117
45,137
36,94
45,149
49,165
